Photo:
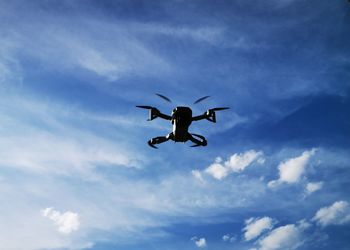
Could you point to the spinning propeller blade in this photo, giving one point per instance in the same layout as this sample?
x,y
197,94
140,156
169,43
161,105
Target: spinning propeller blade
x,y
201,99
217,109
164,97
144,107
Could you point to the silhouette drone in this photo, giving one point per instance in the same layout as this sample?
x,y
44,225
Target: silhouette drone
x,y
181,118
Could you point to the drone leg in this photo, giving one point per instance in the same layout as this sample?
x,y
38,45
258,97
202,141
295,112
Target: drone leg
x,y
159,139
197,142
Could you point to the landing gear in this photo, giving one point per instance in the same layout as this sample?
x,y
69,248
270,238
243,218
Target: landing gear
x,y
159,139
201,141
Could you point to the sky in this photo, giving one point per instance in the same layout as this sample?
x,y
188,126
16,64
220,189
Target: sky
x,y
75,168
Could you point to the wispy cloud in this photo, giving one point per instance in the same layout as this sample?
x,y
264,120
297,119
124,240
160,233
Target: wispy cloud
x,y
109,50
112,50
211,35
198,175
34,138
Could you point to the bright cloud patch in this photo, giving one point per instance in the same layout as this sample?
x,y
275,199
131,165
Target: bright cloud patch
x,y
200,242
255,226
292,169
236,163
66,222
284,237
336,214
313,187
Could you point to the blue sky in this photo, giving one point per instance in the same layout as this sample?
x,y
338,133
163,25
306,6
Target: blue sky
x,y
75,169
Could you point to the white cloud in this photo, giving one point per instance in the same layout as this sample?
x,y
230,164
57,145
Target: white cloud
x,y
312,187
292,169
336,214
217,170
198,175
66,222
200,242
256,226
50,153
113,59
284,237
226,237
236,163
229,238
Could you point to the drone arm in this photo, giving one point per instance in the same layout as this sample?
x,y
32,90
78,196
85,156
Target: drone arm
x,y
154,113
197,142
209,115
200,117
164,116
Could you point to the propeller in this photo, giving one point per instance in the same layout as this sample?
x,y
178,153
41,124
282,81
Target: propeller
x,y
153,112
218,109
144,107
211,113
201,99
164,97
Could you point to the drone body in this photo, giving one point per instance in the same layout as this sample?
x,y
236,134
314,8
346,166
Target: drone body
x,y
181,118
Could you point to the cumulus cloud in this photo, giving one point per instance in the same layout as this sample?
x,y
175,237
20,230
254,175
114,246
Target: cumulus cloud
x,y
236,163
229,238
284,237
336,214
312,187
200,242
66,222
256,226
292,169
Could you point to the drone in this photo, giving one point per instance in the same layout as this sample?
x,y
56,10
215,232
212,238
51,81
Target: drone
x,y
181,118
